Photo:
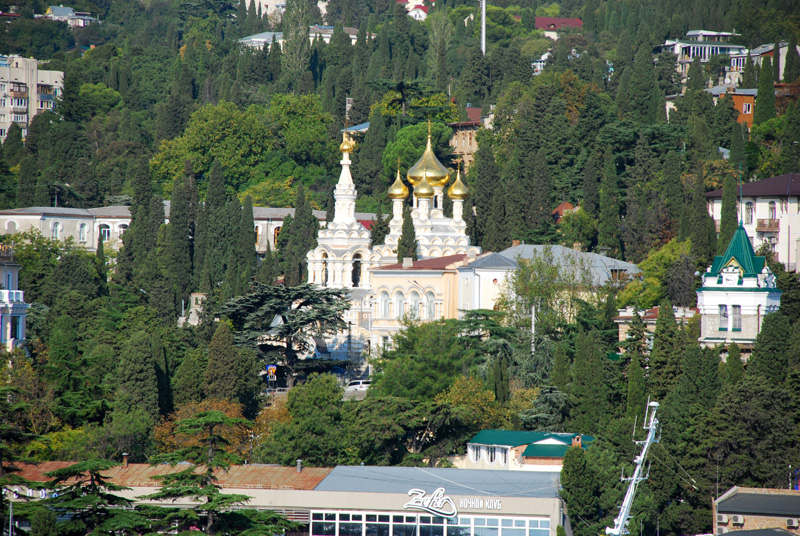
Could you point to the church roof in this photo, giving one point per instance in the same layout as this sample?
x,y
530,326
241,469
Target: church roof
x,y
740,251
440,263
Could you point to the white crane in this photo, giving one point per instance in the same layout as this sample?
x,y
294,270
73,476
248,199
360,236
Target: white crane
x,y
621,521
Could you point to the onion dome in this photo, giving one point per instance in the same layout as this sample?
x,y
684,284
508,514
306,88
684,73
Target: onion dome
x,y
423,189
428,166
458,191
347,145
398,190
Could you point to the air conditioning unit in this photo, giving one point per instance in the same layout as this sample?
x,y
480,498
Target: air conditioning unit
x,y
722,518
721,530
737,520
792,523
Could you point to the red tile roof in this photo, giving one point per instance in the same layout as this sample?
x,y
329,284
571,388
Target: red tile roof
x,y
441,263
239,476
561,209
780,186
556,23
473,114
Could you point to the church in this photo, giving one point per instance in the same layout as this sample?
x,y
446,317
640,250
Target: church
x,y
382,291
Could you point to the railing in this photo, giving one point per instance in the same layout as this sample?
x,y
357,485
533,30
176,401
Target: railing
x,y
19,94
46,97
768,226
12,296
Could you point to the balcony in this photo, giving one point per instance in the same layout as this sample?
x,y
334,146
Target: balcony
x,y
768,226
19,94
12,296
46,97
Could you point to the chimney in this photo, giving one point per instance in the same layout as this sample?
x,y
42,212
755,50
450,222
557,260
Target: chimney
x,y
299,465
408,262
577,441
125,459
471,255
514,243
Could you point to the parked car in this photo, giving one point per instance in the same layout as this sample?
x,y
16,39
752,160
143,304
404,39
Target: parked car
x,y
357,385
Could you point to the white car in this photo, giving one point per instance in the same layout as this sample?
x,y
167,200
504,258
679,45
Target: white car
x,y
357,385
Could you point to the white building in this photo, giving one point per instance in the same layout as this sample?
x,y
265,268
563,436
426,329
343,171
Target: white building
x,y
737,291
13,309
25,91
315,32
75,19
702,44
770,214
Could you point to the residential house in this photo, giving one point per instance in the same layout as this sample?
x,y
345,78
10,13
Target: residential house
x,y
757,512
649,317
703,44
541,452
551,26
744,100
25,91
13,309
737,291
317,31
770,214
75,19
464,140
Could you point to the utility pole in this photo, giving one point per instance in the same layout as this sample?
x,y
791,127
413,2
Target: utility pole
x,y
483,27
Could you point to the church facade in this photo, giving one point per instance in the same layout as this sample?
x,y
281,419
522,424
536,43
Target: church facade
x,y
346,257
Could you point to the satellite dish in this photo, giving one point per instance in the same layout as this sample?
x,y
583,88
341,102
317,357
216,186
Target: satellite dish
x,y
727,80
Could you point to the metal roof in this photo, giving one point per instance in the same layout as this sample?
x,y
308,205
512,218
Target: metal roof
x,y
493,260
545,451
600,266
515,438
766,504
371,479
778,186
741,250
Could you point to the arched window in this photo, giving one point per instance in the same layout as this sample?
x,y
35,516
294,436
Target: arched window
x,y
415,302
356,270
325,269
105,232
399,304
11,227
82,233
121,228
773,213
430,305
385,305
56,230
748,212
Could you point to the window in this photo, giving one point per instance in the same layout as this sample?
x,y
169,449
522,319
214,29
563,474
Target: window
x,y
748,212
773,212
430,305
503,456
737,318
747,108
399,304
723,318
55,230
121,229
415,305
356,279
385,305
492,454
82,233
475,453
105,232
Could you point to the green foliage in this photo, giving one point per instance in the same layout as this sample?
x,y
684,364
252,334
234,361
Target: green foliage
x,y
769,358
136,374
407,245
728,220
298,237
765,107
651,288
734,368
409,144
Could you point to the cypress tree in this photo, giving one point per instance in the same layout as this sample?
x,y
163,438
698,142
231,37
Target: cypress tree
x,y
179,243
41,196
483,181
13,147
702,227
186,384
637,391
274,61
26,181
673,187
223,361
791,69
589,412
770,354
245,241
300,238
641,86
749,77
102,269
765,104
591,187
776,62
407,245
609,232
269,269
734,369
789,159
738,157
665,356
380,227
538,202
560,375
728,220
368,167
697,80
136,376
248,382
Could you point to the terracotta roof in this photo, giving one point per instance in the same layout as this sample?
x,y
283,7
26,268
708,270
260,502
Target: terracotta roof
x,y
440,263
473,113
780,186
239,476
556,23
561,209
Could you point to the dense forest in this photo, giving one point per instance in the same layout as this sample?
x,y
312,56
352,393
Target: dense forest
x,y
161,102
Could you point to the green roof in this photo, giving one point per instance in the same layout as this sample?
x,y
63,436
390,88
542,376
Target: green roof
x,y
545,451
740,252
511,438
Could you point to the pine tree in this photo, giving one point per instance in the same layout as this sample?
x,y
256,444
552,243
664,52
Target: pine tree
x,y
728,220
791,69
136,377
223,361
734,369
407,245
765,105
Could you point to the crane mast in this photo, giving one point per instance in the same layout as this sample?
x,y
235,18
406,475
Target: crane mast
x,y
621,521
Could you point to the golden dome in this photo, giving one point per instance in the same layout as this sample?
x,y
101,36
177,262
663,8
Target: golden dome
x,y
423,189
398,190
347,145
458,190
428,166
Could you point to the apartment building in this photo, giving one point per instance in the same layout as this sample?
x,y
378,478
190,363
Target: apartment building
x,y
25,91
